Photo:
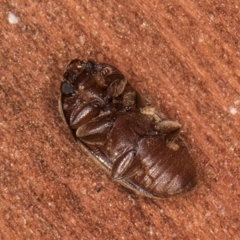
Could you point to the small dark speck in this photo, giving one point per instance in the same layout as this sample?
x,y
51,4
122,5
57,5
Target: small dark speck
x,y
67,88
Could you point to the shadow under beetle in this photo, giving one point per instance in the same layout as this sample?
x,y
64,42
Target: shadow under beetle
x,y
136,145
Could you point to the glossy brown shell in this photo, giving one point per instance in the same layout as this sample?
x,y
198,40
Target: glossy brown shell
x,y
137,146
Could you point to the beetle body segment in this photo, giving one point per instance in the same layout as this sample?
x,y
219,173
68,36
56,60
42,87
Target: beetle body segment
x,y
137,146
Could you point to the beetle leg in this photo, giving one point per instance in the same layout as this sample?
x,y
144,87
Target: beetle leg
x,y
171,140
125,165
95,131
117,87
172,129
81,114
167,126
158,117
129,99
106,71
163,125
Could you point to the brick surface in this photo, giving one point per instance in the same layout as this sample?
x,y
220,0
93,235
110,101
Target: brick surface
x,y
184,55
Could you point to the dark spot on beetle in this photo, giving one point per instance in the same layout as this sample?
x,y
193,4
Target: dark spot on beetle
x,y
67,88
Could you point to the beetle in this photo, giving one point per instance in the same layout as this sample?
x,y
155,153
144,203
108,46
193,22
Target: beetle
x,y
118,127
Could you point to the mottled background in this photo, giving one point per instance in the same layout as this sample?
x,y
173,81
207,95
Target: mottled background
x,y
184,55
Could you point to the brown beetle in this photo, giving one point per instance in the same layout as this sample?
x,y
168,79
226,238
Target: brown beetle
x,y
137,146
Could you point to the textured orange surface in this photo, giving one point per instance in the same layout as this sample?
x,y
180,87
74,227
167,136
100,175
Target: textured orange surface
x,y
184,55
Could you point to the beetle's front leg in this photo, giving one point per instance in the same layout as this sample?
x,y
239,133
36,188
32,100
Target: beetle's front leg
x,y
83,113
